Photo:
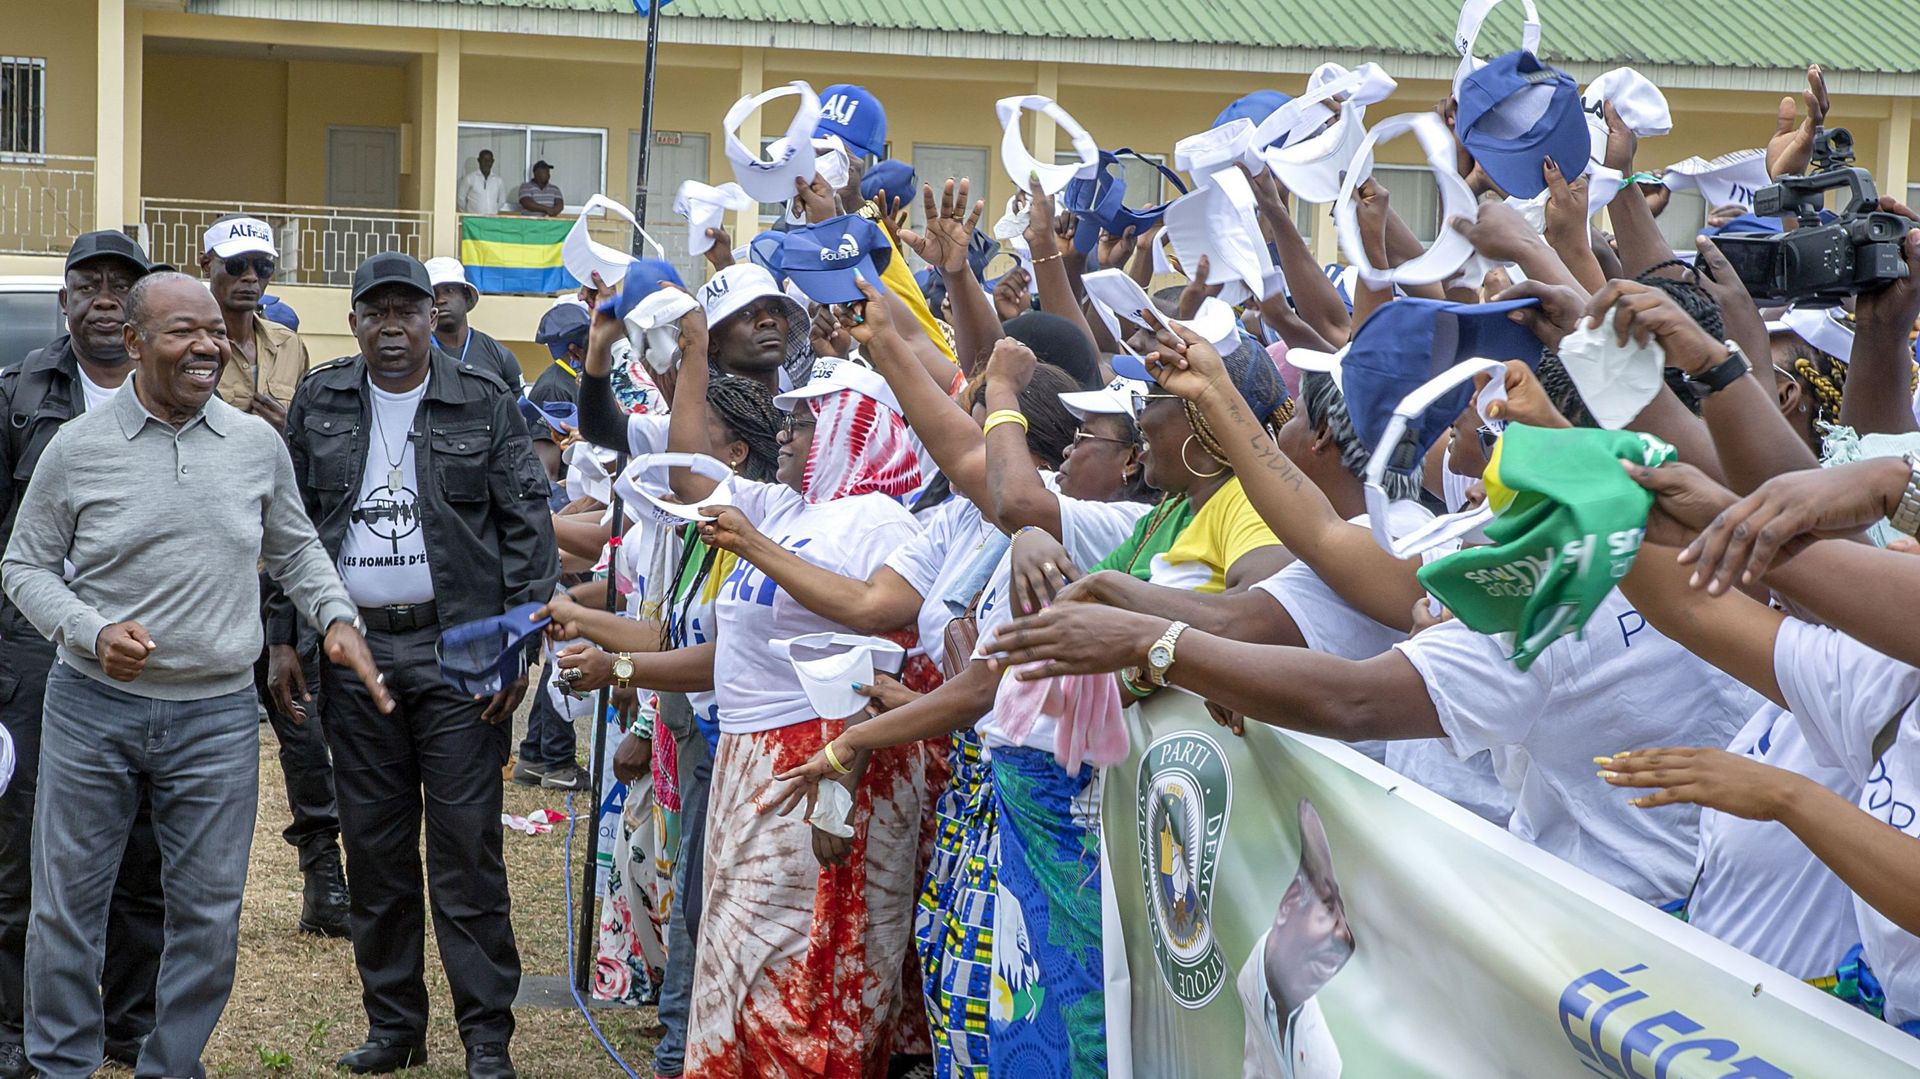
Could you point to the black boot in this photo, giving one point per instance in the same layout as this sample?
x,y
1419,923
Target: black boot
x,y
489,1060
378,1056
323,907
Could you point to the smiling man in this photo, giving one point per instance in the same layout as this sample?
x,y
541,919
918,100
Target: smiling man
x,y
418,471
134,551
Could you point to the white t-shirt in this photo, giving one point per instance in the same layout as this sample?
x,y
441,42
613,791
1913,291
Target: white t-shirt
x,y
952,535
482,194
1330,624
1091,531
1760,889
755,685
1623,686
647,433
94,393
384,557
1845,696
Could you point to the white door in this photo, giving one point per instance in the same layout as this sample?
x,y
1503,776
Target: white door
x,y
363,171
677,156
934,165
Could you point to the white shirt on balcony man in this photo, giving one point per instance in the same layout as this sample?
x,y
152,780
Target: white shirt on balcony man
x,y
483,192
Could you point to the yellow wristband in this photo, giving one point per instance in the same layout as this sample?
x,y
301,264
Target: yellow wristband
x,y
1005,415
833,759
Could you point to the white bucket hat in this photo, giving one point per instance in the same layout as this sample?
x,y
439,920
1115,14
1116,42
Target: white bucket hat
x,y
449,271
770,179
1020,163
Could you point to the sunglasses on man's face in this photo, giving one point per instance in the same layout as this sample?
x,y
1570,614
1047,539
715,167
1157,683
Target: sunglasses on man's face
x,y
262,267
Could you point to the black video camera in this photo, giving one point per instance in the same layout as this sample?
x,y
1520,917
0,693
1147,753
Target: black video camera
x,y
1819,265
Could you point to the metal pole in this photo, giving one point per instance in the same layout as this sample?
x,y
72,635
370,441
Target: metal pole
x,y
587,938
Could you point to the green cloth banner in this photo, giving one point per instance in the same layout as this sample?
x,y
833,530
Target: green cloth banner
x,y
1413,938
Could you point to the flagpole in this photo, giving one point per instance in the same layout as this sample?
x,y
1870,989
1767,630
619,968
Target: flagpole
x,y
587,938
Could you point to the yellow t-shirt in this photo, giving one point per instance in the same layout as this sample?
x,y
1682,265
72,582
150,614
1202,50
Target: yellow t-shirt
x,y
898,277
1225,529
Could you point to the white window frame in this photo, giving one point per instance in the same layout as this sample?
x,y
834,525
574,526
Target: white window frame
x,y
527,132
35,68
1439,204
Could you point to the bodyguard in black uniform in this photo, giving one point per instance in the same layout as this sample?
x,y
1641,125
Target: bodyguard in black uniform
x,y
418,473
48,388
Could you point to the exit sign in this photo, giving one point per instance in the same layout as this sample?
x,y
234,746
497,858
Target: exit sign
x,y
666,138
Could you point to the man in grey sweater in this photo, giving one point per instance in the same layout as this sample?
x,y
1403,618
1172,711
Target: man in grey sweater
x,y
134,551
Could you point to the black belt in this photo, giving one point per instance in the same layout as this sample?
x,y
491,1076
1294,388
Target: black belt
x,y
401,617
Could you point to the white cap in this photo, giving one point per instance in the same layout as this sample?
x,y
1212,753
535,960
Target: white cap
x,y
238,236
1641,105
1824,328
731,290
705,207
645,482
1727,179
589,472
1219,221
1116,295
831,164
770,179
1020,163
449,271
1121,397
831,375
1217,148
828,665
653,327
584,256
1451,249
1312,167
1466,31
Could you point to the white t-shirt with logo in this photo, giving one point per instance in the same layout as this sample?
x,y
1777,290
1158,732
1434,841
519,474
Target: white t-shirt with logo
x,y
383,560
755,685
96,395
1091,531
951,536
1846,695
1760,889
1330,624
1623,686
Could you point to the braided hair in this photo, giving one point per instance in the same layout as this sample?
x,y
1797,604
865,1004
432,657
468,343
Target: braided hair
x,y
1825,378
1258,380
1325,404
1562,392
1050,427
747,410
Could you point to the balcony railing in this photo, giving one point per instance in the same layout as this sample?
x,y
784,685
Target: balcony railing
x,y
45,201
319,245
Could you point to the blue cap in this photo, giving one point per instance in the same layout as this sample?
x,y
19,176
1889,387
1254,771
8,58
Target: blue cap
x,y
562,416
764,251
822,258
642,280
1406,342
481,657
1748,223
1250,369
1256,106
980,251
563,324
1102,197
896,178
1514,114
854,114
275,309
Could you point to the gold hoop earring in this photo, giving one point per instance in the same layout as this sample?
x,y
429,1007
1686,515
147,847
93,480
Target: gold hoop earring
x,y
1196,472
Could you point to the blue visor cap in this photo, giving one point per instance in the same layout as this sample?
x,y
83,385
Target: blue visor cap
x,y
1256,106
1745,223
482,657
563,324
822,259
1407,342
1517,112
764,251
642,280
854,114
1102,197
896,178
562,416
1250,369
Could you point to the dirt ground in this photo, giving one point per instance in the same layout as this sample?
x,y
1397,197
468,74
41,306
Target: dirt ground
x,y
296,999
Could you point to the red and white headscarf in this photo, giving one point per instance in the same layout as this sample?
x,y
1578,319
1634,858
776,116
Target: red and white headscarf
x,y
860,446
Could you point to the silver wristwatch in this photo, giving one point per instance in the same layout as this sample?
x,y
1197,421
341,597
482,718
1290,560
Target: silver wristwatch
x,y
1906,515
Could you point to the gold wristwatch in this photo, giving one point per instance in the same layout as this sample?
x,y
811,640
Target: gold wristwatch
x,y
1160,656
623,670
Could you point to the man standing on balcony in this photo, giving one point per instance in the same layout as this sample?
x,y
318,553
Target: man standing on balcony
x,y
453,297
538,195
481,192
239,259
79,372
417,470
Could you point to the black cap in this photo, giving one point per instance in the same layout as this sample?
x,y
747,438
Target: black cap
x,y
108,244
391,268
541,164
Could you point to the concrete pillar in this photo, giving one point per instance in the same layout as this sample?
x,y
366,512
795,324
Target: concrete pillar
x,y
753,73
1894,173
439,164
1046,83
110,115
132,110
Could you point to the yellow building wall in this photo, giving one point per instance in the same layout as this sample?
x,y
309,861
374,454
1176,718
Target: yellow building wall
x,y
322,94
62,33
184,93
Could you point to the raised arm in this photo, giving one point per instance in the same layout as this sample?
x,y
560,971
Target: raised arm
x,y
1879,393
687,423
944,244
602,421
1016,498
1049,265
1317,302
